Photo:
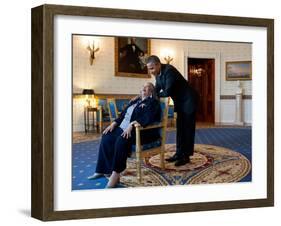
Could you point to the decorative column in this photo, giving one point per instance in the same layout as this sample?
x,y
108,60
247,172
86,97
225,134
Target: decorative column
x,y
238,114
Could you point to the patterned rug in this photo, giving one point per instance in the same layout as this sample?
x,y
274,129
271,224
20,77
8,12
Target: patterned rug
x,y
209,164
222,155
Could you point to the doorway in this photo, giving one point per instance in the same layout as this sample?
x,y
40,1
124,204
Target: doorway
x,y
201,76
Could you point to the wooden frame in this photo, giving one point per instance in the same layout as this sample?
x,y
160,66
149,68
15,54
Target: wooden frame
x,y
42,203
233,76
123,69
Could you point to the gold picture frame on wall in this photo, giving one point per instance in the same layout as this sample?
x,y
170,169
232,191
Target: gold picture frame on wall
x,y
238,70
45,88
130,56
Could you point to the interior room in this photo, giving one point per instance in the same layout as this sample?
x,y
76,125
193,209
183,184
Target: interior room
x,y
103,86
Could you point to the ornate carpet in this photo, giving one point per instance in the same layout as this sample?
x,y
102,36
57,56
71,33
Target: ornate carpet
x,y
222,155
209,164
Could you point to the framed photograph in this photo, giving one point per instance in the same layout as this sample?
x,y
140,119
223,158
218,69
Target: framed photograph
x,y
130,56
238,70
79,61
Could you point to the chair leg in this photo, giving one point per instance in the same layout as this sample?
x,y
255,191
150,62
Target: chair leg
x,y
139,176
100,127
162,162
138,154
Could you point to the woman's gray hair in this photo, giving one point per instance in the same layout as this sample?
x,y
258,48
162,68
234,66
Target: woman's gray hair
x,y
153,91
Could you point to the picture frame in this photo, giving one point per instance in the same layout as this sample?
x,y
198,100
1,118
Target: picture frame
x,y
129,60
238,70
43,173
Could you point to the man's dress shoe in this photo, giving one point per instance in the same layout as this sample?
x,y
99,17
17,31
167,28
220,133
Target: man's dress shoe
x,y
182,161
172,159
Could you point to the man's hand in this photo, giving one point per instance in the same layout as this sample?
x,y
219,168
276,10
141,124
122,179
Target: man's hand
x,y
127,132
109,128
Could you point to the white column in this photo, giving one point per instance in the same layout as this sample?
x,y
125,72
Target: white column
x,y
238,114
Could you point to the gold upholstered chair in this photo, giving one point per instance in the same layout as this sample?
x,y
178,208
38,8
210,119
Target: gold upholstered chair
x,y
112,109
155,147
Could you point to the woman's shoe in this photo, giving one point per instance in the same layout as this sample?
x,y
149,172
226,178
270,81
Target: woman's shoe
x,y
95,176
113,180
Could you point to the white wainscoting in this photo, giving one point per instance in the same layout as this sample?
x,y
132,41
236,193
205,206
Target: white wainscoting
x,y
78,115
228,111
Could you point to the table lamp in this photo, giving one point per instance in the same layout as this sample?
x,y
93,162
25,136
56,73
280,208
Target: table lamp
x,y
88,92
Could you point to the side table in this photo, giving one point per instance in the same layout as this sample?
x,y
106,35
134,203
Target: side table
x,y
90,119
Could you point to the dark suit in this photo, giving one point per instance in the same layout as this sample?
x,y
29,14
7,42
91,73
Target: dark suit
x,y
185,100
114,149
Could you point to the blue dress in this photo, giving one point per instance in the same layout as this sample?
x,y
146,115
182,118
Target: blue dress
x,y
114,149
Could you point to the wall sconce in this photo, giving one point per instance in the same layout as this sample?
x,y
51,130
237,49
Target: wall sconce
x,y
196,70
88,92
92,49
167,54
168,59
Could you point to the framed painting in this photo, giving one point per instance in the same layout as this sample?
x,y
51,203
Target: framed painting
x,y
64,38
238,70
130,57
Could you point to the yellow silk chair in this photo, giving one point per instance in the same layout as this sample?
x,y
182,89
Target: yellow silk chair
x,y
157,147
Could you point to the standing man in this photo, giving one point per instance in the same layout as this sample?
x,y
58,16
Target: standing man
x,y
170,83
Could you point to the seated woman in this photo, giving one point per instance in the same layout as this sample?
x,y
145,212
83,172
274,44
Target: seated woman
x,y
119,136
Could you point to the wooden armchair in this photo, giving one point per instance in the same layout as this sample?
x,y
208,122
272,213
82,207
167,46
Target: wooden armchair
x,y
112,109
121,104
157,147
172,116
103,113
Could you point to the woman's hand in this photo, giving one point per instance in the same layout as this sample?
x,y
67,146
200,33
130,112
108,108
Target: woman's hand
x,y
127,132
109,128
134,98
